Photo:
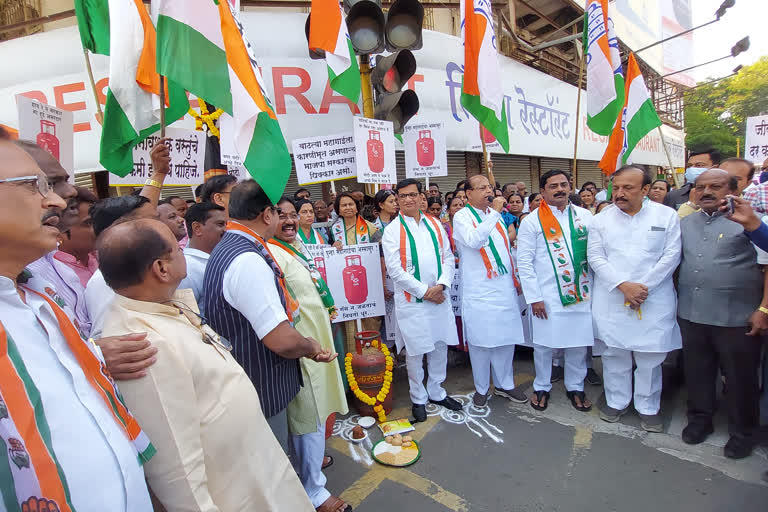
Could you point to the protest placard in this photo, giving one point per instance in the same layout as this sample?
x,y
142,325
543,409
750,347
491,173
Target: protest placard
x,y
50,128
425,154
353,275
324,158
187,159
756,147
375,151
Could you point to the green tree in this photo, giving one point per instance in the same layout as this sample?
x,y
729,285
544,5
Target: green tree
x,y
716,114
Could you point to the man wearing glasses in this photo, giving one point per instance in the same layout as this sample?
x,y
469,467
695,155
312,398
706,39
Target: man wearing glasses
x,y
72,442
196,402
247,301
490,310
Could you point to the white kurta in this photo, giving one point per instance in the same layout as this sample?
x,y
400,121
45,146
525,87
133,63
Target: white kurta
x,y
644,248
490,311
564,327
420,324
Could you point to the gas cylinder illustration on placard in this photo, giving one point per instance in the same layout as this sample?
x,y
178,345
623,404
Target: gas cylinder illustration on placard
x,y
375,150
47,139
425,148
355,279
320,266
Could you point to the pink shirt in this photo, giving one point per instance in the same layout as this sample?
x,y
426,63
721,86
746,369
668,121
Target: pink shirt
x,y
83,273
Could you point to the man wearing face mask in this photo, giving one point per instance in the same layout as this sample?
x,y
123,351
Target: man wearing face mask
x,y
699,160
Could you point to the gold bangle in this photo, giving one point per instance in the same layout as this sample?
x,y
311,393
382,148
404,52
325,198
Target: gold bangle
x,y
763,310
153,183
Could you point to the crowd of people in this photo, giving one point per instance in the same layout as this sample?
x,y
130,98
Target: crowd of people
x,y
182,356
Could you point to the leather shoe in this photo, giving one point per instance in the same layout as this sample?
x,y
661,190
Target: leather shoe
x,y
419,412
738,447
696,433
449,403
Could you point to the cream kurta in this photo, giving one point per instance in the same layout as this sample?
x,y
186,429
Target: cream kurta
x,y
215,450
420,324
644,248
490,311
323,389
564,327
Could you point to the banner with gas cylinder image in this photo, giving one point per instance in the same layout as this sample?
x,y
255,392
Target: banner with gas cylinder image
x,y
425,153
354,277
187,159
324,158
50,128
375,150
756,148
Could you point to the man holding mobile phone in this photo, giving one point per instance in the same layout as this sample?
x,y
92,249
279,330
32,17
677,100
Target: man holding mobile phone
x,y
722,306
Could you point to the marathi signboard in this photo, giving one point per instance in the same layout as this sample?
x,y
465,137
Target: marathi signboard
x,y
50,127
325,158
375,150
425,153
756,148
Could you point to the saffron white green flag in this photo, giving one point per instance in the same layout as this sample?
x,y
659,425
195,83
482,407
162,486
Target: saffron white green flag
x,y
605,82
638,118
482,93
328,32
132,110
202,47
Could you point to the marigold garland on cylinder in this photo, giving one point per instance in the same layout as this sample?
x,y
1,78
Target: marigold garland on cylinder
x,y
204,117
385,387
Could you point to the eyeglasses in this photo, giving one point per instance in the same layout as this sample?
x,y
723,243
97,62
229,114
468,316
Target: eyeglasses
x,y
412,195
43,185
290,216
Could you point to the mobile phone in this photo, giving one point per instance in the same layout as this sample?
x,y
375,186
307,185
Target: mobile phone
x,y
730,204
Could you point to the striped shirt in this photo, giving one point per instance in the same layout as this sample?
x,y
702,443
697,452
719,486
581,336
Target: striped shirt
x,y
243,303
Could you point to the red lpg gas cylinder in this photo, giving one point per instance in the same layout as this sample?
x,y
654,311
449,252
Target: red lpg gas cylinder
x,y
375,150
47,139
369,365
425,148
487,136
320,266
355,280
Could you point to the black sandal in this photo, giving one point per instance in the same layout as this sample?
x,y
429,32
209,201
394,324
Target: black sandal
x,y
329,463
582,397
539,396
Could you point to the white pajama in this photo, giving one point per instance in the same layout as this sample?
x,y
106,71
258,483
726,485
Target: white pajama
x,y
557,357
496,359
575,367
436,369
617,379
308,453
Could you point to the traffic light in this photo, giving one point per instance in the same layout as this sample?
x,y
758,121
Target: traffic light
x,y
365,22
388,78
313,54
403,27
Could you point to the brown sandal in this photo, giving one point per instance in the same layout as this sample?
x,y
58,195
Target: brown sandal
x,y
334,504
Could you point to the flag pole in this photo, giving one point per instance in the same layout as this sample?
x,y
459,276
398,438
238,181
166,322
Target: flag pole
x,y
99,113
666,149
162,106
578,121
486,161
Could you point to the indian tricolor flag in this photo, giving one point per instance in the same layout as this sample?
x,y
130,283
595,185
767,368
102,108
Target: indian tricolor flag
x,y
132,111
637,119
482,94
328,32
201,46
605,83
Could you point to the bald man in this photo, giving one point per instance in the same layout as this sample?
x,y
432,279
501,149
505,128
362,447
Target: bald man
x,y
215,448
43,357
722,298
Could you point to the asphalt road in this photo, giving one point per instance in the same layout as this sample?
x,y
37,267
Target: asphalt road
x,y
511,458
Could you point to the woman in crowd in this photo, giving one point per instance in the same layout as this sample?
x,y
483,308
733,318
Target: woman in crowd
x,y
533,201
424,202
323,391
454,205
602,205
385,203
459,193
306,232
516,203
588,199
659,190
434,207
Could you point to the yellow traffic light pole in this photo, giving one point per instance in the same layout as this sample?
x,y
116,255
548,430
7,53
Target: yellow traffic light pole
x,y
367,93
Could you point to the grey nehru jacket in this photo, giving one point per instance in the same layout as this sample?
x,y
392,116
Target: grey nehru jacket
x,y
720,282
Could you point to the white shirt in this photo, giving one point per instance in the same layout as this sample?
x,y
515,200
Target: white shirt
x,y
249,287
644,248
98,297
420,324
537,277
602,195
98,460
490,311
197,260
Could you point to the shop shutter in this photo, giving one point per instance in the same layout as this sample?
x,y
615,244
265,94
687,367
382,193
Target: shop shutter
x,y
589,171
511,169
547,164
316,190
85,180
183,191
